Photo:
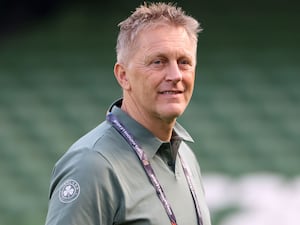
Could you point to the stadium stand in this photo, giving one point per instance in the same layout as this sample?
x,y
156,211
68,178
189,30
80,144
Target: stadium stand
x,y
56,83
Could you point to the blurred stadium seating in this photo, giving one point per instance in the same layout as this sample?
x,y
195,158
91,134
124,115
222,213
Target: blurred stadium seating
x,y
56,82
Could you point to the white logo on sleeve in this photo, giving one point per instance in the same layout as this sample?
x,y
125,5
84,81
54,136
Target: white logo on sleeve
x,y
69,191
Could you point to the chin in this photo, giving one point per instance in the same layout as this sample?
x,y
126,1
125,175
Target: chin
x,y
172,112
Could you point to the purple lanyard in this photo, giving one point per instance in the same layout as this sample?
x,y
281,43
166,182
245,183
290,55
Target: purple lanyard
x,y
150,172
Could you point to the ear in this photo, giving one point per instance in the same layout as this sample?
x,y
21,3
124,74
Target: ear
x,y
121,76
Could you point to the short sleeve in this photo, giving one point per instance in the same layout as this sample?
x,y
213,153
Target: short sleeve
x,y
84,190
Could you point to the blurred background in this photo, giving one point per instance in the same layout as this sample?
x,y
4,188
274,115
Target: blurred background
x,y
56,82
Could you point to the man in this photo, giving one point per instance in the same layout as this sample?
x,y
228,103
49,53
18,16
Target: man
x,y
136,167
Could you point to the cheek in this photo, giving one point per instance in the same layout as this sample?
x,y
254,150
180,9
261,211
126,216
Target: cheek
x,y
147,80
192,82
140,85
189,81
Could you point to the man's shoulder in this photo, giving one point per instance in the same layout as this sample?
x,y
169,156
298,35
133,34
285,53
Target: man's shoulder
x,y
92,137
103,142
103,139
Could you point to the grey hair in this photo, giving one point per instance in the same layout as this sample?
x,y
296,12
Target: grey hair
x,y
149,15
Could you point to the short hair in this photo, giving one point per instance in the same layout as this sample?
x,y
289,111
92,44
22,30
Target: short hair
x,y
149,15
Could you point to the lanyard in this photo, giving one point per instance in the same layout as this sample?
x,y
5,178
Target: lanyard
x,y
150,172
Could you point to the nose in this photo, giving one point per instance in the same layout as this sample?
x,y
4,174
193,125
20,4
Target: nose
x,y
174,74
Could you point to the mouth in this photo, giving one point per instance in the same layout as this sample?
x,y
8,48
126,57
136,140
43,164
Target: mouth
x,y
171,92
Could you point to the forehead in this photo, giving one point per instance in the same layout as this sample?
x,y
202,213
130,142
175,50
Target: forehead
x,y
165,38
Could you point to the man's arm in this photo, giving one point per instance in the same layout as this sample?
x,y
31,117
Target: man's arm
x,y
84,190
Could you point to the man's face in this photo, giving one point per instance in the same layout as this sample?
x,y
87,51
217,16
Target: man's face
x,y
161,72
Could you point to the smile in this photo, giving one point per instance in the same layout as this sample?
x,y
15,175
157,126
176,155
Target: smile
x,y
170,92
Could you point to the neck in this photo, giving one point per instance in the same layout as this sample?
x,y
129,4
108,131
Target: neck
x,y
160,128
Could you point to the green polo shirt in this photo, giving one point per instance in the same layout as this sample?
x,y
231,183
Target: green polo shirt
x,y
100,180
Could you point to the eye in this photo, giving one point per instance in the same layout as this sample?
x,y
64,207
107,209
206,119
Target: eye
x,y
157,61
184,62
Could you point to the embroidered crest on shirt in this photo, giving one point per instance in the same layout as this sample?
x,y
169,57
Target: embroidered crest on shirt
x,y
69,191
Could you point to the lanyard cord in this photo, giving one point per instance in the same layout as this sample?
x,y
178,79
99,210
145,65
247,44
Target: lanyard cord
x,y
150,172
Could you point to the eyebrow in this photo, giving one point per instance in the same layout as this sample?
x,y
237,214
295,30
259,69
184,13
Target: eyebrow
x,y
185,54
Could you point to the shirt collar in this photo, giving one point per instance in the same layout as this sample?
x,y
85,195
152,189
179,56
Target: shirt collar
x,y
146,140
